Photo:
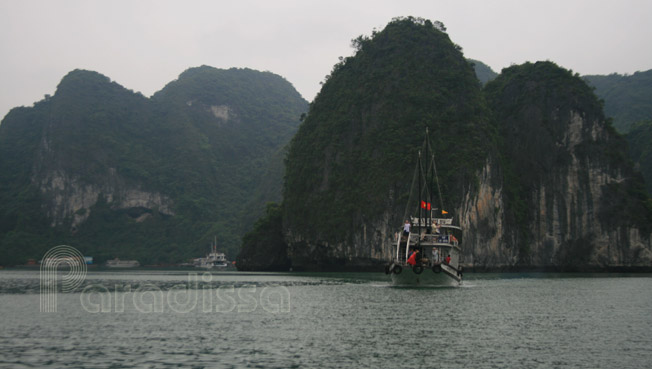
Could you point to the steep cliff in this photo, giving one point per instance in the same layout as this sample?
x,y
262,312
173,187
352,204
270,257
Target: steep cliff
x,y
350,165
116,174
570,198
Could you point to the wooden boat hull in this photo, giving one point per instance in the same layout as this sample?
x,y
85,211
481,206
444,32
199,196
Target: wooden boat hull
x,y
426,277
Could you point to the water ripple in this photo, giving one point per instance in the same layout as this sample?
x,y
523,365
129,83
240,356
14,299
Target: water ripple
x,y
334,321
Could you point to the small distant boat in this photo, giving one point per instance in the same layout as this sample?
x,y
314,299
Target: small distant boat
x,y
214,259
431,236
117,263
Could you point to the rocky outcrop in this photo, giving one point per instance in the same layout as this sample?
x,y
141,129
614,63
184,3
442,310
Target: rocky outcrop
x,y
349,167
67,196
572,202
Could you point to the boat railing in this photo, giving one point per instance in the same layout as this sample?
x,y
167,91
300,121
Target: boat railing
x,y
447,239
398,245
410,239
430,223
404,243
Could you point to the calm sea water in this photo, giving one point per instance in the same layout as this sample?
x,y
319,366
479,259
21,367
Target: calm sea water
x,y
232,320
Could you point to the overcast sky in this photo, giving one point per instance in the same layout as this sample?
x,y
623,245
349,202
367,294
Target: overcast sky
x,y
143,44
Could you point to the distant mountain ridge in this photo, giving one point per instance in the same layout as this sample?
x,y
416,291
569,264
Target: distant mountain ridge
x,y
628,102
627,98
116,174
483,71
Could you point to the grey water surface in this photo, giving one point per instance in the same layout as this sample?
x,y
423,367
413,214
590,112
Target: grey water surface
x,y
160,319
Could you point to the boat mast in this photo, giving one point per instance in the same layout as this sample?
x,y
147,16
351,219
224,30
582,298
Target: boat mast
x,y
419,203
428,185
441,201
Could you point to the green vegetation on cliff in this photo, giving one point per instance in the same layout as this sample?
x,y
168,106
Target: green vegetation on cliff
x,y
264,247
151,179
639,139
353,157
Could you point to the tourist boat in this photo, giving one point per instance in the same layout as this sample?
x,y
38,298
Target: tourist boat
x,y
214,259
431,233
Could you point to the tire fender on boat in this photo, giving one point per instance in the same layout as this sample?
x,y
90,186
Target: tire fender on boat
x,y
397,269
417,269
436,268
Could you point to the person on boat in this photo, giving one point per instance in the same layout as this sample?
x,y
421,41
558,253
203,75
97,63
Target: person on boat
x,y
448,259
412,260
435,255
406,228
435,226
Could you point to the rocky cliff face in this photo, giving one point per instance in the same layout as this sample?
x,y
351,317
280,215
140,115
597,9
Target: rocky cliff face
x,y
568,227
486,241
70,197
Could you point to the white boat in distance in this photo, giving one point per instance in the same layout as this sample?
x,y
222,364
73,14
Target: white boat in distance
x,y
214,259
429,234
117,263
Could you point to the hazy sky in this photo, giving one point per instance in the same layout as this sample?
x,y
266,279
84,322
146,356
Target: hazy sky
x,y
144,44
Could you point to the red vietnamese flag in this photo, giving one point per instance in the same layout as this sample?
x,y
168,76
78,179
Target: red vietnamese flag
x,y
425,205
